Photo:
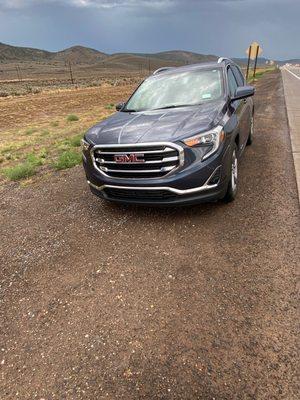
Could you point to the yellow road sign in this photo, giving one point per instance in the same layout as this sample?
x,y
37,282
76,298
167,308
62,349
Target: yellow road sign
x,y
252,50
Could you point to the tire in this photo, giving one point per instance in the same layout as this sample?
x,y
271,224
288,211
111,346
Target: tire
x,y
233,180
250,137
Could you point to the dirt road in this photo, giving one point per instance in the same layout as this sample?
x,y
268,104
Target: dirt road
x,y
100,301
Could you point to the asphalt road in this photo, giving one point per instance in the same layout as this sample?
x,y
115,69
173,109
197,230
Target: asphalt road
x,y
291,82
100,301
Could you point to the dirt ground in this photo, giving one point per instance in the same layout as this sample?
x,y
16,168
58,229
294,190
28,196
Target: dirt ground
x,y
20,111
100,301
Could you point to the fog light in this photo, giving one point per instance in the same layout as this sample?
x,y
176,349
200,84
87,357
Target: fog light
x,y
215,178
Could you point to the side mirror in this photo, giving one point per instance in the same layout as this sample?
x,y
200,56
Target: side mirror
x,y
242,92
119,106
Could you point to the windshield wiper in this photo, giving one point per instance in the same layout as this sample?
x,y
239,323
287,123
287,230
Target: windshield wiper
x,y
174,106
160,108
128,110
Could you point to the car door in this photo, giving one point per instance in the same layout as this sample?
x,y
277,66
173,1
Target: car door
x,y
239,107
248,101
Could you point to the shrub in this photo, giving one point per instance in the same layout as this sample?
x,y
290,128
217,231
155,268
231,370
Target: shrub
x,y
72,117
43,153
34,160
67,159
75,141
21,171
110,106
30,131
45,132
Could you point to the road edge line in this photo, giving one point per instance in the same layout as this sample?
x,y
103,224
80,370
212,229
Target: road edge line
x,y
294,152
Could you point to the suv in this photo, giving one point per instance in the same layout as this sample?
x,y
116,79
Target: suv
x,y
177,140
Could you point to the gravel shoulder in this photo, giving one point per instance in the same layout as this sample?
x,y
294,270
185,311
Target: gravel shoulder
x,y
100,301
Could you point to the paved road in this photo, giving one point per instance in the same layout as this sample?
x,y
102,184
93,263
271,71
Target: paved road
x,y
291,82
107,302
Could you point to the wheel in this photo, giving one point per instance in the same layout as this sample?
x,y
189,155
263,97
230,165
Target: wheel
x,y
233,180
250,137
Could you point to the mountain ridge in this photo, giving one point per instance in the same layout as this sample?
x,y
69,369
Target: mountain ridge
x,y
79,54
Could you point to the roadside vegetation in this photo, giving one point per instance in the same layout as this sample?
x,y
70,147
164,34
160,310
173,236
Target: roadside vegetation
x,y
41,134
43,147
72,118
259,73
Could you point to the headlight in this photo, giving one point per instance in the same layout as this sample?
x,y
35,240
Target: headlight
x,y
211,139
85,145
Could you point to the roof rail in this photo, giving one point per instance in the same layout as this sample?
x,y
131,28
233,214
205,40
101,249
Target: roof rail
x,y
221,59
159,70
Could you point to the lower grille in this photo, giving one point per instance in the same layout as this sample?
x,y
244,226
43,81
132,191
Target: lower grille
x,y
143,195
153,160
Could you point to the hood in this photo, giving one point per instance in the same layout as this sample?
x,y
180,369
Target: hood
x,y
156,126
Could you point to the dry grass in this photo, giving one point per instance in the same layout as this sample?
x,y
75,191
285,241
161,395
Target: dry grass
x,y
259,73
42,133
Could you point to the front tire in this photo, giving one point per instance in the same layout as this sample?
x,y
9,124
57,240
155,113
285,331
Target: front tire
x,y
233,180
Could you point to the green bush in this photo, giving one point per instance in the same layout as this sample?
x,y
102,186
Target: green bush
x,y
43,153
67,159
21,171
72,117
44,132
75,141
34,160
110,106
30,131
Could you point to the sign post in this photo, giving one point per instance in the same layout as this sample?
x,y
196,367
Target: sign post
x,y
257,50
248,63
253,51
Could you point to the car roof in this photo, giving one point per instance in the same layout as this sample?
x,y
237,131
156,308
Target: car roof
x,y
221,62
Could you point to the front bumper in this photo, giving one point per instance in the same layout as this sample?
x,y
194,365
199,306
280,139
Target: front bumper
x,y
195,182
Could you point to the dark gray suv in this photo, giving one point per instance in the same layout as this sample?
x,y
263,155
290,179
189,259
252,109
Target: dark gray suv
x,y
177,140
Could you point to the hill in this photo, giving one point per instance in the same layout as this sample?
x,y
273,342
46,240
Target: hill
x,y
144,61
183,57
79,55
86,55
13,53
75,54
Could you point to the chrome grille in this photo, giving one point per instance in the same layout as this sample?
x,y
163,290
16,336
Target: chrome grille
x,y
145,160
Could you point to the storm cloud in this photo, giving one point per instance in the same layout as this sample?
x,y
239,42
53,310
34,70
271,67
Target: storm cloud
x,y
222,27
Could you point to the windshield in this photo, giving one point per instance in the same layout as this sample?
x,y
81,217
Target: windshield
x,y
177,90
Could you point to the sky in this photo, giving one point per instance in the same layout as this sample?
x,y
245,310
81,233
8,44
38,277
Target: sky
x,y
220,27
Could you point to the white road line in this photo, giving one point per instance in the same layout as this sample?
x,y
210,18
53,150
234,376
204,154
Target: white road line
x,y
298,77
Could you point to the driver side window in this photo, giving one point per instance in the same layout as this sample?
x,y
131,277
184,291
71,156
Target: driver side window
x,y
231,82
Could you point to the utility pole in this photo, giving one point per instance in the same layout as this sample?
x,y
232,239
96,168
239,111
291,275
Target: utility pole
x,y
149,66
71,73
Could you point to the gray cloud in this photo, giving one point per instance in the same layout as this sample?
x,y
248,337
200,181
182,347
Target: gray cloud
x,y
19,4
221,27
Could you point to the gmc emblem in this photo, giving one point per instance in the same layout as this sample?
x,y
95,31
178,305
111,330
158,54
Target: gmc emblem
x,y
129,158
